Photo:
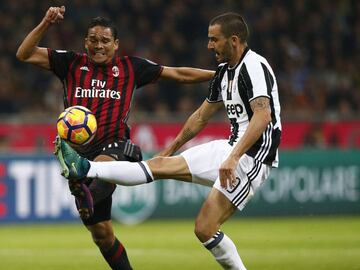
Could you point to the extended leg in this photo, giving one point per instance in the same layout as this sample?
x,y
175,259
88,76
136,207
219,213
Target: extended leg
x,y
214,212
120,172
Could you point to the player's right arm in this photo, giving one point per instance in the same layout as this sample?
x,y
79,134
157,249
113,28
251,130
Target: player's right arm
x,y
198,120
195,123
29,51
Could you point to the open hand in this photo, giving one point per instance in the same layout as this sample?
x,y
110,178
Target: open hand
x,y
227,172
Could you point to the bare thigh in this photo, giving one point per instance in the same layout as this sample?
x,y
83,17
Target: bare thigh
x,y
170,168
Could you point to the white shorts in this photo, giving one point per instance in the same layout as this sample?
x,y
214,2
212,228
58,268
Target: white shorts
x,y
205,160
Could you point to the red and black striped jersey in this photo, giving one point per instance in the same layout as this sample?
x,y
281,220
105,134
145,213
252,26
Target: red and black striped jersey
x,y
107,90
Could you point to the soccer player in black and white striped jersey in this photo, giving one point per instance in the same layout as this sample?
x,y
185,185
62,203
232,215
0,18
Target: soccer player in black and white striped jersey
x,y
235,168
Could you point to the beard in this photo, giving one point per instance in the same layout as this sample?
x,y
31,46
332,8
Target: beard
x,y
225,54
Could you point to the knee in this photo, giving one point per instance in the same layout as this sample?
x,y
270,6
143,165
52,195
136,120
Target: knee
x,y
156,163
204,230
157,166
103,238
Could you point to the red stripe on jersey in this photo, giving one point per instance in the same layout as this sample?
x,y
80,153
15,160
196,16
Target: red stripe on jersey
x,y
76,74
104,104
86,84
129,92
116,109
70,82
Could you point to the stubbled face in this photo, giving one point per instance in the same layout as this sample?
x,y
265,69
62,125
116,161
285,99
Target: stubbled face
x,y
100,44
219,44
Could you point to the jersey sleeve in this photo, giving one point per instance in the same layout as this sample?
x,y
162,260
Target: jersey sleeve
x,y
145,71
258,76
215,86
60,62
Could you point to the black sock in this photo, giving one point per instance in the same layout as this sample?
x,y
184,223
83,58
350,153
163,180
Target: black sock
x,y
116,257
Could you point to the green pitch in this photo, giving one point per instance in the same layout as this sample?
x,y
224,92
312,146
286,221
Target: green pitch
x,y
266,244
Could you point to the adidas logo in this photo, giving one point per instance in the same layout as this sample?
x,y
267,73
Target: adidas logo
x,y
84,68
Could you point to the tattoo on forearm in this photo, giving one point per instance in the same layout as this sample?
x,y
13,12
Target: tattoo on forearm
x,y
187,135
260,103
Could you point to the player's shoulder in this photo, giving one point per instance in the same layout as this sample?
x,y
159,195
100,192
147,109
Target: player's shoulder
x,y
65,53
255,60
221,68
252,56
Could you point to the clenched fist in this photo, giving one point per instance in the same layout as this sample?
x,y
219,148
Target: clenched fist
x,y
55,14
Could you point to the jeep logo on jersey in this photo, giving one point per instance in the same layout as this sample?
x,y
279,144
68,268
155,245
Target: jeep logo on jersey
x,y
233,110
132,205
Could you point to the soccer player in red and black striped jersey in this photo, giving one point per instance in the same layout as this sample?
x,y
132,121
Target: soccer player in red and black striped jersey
x,y
104,83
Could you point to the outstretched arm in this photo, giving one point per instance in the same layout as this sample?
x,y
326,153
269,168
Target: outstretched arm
x,y
186,74
195,123
258,123
29,51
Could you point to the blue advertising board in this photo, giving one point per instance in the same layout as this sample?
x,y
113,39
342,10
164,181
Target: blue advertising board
x,y
307,183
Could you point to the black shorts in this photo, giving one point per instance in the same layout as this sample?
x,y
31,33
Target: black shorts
x,y
120,151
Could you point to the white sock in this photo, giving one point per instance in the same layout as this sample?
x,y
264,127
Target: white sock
x,y
121,172
224,251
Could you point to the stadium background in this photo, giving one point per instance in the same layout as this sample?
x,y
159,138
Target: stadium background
x,y
314,49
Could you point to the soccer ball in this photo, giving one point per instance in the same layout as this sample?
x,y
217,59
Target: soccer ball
x,y
77,125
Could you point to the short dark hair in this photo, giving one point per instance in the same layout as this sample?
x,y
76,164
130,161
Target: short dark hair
x,y
232,23
105,22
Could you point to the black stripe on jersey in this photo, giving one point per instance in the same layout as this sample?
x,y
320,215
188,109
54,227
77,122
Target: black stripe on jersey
x,y
90,100
230,76
82,79
65,97
100,100
246,81
72,73
215,85
245,89
123,98
234,131
269,85
112,102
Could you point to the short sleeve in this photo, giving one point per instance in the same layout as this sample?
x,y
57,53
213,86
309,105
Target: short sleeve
x,y
145,71
60,62
260,79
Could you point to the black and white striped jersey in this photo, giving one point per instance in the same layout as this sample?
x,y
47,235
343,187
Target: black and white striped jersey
x,y
252,77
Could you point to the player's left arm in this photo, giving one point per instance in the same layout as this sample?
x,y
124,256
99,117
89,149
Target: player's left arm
x,y
257,125
186,74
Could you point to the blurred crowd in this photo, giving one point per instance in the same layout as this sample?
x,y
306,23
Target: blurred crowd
x,y
313,47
